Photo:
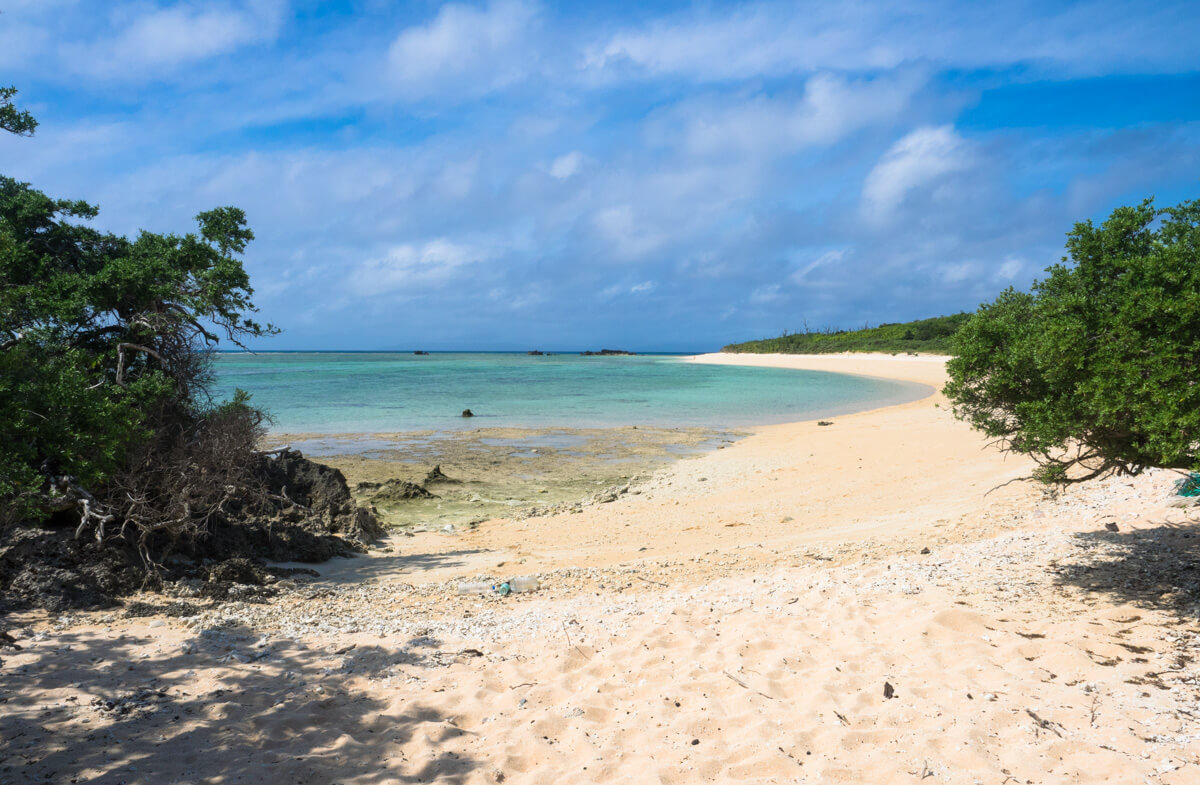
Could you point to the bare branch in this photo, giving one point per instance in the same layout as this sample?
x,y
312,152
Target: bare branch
x,y
121,349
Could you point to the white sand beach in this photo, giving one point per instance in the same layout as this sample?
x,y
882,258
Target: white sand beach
x,y
869,601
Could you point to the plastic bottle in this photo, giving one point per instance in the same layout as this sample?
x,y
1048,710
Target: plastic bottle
x,y
524,583
475,587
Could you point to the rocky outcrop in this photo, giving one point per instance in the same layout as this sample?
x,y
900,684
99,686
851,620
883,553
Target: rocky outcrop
x,y
609,353
394,490
298,511
436,476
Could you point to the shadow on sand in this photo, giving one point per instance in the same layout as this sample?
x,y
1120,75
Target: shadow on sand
x,y
82,707
1155,567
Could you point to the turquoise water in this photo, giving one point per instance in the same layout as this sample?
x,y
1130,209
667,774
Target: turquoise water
x,y
323,392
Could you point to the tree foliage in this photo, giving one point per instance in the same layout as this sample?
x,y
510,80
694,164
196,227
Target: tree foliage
x,y
104,359
12,119
924,335
1096,370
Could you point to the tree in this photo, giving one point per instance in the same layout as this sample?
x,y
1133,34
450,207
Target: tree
x,y
1096,370
104,363
12,119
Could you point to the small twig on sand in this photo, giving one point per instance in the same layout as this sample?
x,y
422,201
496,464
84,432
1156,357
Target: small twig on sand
x,y
744,685
564,629
656,583
1046,724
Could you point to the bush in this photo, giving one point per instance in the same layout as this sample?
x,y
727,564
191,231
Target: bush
x,y
1095,371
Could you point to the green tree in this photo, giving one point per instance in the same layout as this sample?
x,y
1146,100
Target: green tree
x,y
1096,370
104,361
12,119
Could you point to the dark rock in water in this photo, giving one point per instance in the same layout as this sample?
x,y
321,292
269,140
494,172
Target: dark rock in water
x,y
609,353
468,413
400,491
421,354
535,353
435,475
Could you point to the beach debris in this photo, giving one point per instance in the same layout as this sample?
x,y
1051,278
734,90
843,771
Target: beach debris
x,y
1188,486
436,475
824,422
468,413
888,690
1112,527
925,551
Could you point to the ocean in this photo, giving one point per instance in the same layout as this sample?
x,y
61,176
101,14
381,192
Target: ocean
x,y
384,392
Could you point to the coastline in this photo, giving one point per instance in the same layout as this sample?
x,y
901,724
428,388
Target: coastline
x,y
735,617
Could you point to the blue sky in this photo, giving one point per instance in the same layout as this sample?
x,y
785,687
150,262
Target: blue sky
x,y
673,176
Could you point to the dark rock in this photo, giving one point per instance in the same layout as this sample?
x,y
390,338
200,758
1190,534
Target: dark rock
x,y
400,491
535,353
824,422
421,354
1112,527
609,353
46,567
888,690
238,570
925,551
317,519
435,475
468,413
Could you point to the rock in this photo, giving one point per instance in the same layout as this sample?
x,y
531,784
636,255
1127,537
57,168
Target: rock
x,y
397,490
925,551
824,422
468,413
609,353
435,475
888,690
420,353
1112,527
535,353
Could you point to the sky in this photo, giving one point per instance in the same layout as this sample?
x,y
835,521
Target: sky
x,y
667,176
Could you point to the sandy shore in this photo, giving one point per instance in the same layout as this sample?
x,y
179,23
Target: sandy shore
x,y
858,602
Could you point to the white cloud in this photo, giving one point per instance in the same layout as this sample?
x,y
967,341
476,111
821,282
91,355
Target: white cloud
x,y
626,237
464,50
830,108
825,259
765,294
773,39
408,266
566,165
148,44
1009,270
642,288
918,160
